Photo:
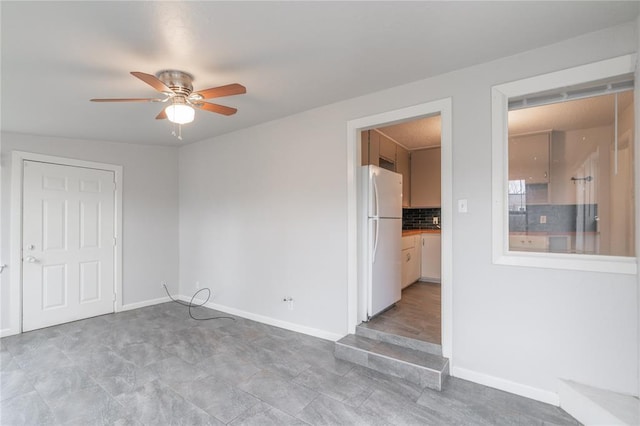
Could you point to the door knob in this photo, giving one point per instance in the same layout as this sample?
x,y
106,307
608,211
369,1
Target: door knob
x,y
31,259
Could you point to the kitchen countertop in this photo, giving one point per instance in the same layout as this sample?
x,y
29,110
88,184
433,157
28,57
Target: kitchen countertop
x,y
408,232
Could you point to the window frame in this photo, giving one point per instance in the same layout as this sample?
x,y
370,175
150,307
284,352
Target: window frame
x,y
500,95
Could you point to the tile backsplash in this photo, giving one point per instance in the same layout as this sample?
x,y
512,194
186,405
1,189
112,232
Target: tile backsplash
x,y
555,218
420,218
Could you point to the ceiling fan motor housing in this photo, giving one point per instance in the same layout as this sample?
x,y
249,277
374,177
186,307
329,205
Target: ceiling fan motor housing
x,y
178,81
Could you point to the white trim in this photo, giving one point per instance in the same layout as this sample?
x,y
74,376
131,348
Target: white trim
x,y
507,385
315,332
8,332
15,262
444,108
145,303
500,95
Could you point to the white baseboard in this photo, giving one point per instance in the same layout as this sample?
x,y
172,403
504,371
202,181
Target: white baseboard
x,y
507,385
6,332
143,304
430,280
322,334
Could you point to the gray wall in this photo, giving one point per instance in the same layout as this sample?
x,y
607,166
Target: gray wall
x,y
263,214
150,209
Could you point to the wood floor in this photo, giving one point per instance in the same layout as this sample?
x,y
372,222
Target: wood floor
x,y
417,315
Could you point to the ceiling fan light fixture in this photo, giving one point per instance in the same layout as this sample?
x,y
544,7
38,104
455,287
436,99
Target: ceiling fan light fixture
x,y
180,113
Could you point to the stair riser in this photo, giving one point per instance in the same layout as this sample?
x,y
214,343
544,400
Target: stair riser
x,y
421,376
406,342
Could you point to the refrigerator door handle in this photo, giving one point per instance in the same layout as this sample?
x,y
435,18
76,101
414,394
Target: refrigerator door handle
x,y
375,194
375,239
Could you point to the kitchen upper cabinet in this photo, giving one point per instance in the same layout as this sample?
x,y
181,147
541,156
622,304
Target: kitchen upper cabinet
x,y
370,147
387,148
431,257
379,150
425,178
403,167
529,158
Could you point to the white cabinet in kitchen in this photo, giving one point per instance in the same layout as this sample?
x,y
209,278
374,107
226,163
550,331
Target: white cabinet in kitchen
x,y
410,259
523,242
430,268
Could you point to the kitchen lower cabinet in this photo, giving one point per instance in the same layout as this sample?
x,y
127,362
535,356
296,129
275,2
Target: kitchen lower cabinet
x,y
411,248
431,257
528,242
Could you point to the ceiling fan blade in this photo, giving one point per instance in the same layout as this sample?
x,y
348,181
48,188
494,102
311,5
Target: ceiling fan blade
x,y
220,109
162,115
218,92
152,81
127,100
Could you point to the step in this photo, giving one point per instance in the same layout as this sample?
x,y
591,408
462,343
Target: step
x,y
424,369
431,348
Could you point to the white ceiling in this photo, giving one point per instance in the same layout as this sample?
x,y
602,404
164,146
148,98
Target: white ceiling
x,y
573,115
416,134
291,56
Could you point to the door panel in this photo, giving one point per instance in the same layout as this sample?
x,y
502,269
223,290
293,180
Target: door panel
x,y
54,286
54,219
89,224
89,282
68,244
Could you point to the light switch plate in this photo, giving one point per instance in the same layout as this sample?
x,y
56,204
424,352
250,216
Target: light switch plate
x,y
462,206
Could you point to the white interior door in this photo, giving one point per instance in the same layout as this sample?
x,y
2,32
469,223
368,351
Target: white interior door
x,y
68,230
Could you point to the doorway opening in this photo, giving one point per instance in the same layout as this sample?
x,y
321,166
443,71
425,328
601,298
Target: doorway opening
x,y
411,149
362,151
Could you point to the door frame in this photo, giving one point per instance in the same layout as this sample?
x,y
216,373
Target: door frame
x,y
17,165
354,247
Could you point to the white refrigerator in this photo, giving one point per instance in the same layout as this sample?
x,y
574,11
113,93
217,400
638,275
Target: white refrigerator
x,y
382,206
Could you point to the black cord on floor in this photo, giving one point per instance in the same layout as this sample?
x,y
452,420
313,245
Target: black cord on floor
x,y
192,305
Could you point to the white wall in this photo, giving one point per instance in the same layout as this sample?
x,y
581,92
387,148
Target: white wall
x,y
150,209
263,215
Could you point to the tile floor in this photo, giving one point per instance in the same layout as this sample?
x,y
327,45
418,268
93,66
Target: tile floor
x,y
156,366
416,315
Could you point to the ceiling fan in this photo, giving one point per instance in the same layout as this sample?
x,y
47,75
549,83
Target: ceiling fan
x,y
178,91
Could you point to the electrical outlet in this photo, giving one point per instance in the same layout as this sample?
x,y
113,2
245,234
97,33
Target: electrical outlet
x,y
289,301
435,220
543,219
